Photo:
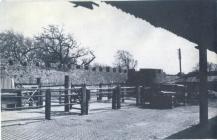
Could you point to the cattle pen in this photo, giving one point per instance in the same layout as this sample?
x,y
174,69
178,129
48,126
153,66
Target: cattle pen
x,y
33,96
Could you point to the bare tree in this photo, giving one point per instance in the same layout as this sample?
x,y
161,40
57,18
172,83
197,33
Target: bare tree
x,y
210,67
16,47
125,60
89,59
55,46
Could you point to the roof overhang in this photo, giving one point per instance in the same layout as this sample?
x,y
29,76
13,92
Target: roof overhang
x,y
194,20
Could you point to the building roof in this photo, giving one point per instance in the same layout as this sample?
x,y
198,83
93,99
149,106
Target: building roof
x,y
194,20
194,77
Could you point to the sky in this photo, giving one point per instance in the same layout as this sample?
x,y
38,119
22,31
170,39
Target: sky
x,y
105,29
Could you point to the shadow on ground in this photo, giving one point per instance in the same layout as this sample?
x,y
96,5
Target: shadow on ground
x,y
20,121
54,113
198,132
33,119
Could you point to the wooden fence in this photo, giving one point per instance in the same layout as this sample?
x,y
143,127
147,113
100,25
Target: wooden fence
x,y
32,98
68,95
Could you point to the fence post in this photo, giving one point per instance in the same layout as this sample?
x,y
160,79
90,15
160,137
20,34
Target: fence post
x,y
118,97
19,99
84,100
40,99
60,97
109,94
66,97
71,96
87,101
47,104
122,95
114,98
138,95
99,98
142,96
30,103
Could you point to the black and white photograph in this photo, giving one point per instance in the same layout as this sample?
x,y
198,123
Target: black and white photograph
x,y
108,70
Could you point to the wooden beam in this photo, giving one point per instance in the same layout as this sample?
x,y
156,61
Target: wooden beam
x,y
203,92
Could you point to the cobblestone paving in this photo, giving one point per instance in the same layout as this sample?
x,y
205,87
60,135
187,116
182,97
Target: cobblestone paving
x,y
124,124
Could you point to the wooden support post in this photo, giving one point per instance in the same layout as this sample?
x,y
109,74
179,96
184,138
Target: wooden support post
x,y
118,97
203,86
19,99
138,95
47,104
84,100
180,61
114,99
66,97
40,99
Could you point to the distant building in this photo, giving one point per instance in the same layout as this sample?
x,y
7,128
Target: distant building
x,y
192,80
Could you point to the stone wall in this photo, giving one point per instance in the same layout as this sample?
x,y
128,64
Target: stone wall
x,y
88,75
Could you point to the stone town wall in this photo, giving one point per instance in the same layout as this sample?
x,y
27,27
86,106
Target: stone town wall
x,y
78,75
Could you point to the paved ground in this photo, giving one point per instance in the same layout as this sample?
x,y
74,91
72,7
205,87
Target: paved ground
x,y
129,122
